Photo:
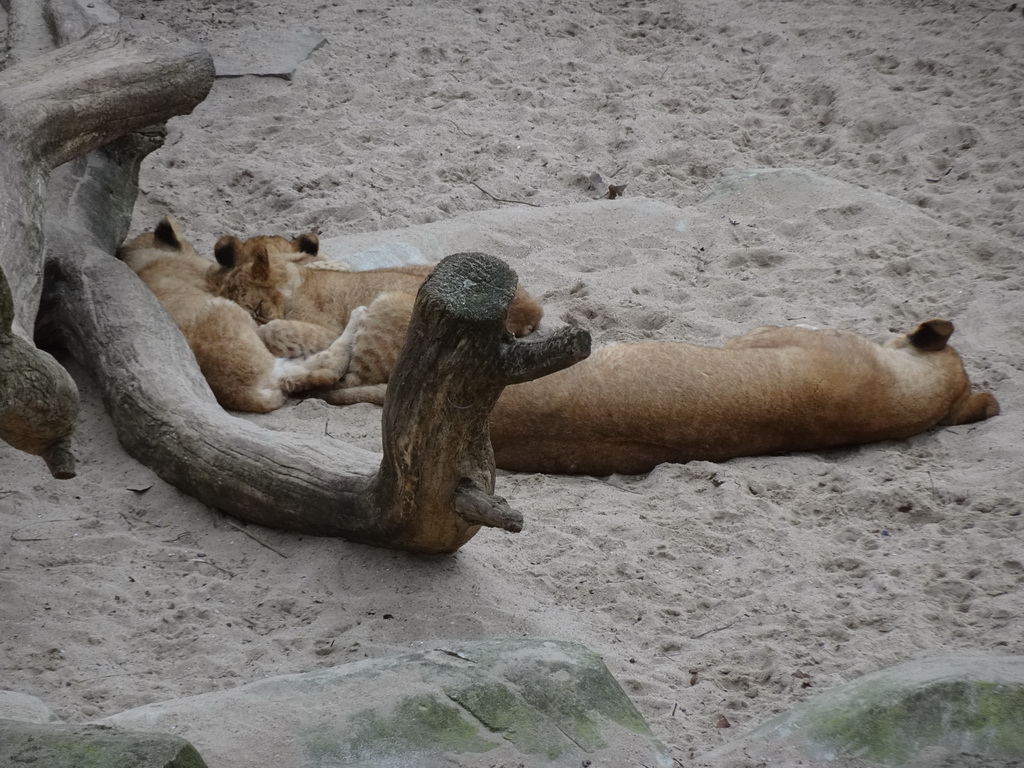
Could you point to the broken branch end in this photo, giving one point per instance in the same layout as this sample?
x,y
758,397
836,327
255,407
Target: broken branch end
x,y
477,507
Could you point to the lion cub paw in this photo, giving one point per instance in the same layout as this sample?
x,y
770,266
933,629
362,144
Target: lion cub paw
x,y
289,338
356,317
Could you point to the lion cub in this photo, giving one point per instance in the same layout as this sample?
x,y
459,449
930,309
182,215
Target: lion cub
x,y
629,407
302,305
243,374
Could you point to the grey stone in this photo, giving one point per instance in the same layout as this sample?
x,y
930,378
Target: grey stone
x,y
781,197
28,709
502,702
501,232
956,711
91,746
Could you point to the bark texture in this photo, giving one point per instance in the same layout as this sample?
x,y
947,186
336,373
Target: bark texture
x,y
437,473
38,399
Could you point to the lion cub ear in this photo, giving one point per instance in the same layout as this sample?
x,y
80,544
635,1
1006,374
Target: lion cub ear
x,y
168,232
931,335
225,250
308,243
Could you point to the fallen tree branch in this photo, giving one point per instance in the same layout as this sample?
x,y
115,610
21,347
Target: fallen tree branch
x,y
434,486
66,103
503,199
479,508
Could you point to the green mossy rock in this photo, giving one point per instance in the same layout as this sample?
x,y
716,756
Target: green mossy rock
x,y
490,703
53,745
958,711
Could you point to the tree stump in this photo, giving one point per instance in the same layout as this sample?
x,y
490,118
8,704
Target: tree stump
x,y
437,473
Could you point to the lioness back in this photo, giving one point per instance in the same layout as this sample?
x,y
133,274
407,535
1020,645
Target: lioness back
x,y
629,407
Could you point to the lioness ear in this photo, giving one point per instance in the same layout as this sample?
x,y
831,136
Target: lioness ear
x,y
225,250
931,335
168,232
308,243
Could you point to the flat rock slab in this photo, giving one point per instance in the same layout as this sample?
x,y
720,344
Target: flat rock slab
x,y
54,745
539,703
235,56
784,205
962,711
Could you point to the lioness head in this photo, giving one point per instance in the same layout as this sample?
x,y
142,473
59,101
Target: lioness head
x,y
257,273
930,338
524,313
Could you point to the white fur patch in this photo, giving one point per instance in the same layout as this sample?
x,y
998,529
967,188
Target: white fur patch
x,y
218,301
328,266
286,366
139,260
293,282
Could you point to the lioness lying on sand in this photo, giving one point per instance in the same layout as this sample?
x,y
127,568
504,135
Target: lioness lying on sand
x,y
629,407
303,306
243,374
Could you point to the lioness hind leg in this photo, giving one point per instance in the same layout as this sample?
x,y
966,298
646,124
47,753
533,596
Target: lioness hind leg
x,y
326,368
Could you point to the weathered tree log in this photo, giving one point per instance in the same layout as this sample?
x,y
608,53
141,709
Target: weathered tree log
x,y
54,107
433,490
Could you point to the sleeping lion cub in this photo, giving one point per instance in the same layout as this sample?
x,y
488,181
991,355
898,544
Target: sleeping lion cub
x,y
243,374
629,407
303,305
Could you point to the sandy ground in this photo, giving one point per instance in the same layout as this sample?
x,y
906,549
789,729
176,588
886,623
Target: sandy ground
x,y
732,590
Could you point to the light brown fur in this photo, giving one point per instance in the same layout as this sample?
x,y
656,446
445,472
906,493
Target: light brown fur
x,y
243,374
294,300
630,407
